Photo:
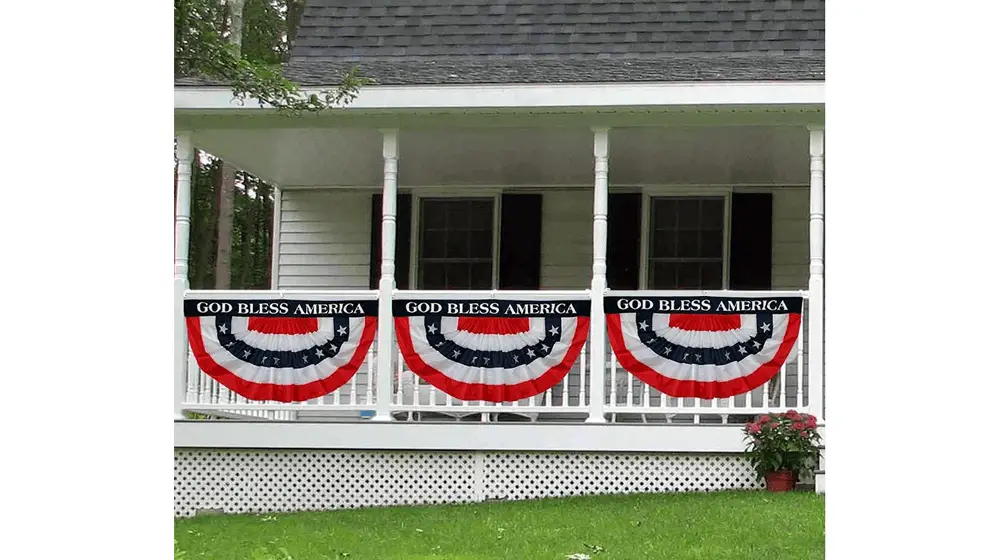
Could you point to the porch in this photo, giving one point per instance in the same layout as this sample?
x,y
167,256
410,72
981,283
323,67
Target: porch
x,y
339,235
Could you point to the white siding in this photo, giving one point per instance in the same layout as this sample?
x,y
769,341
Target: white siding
x,y
325,239
790,245
567,239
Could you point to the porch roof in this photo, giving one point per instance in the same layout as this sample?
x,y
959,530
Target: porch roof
x,y
425,42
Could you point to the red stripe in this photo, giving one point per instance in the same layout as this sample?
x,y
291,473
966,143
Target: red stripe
x,y
690,322
271,391
283,325
483,391
494,325
701,389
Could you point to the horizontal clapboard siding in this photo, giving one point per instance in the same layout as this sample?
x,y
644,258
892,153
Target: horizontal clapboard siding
x,y
324,240
567,239
790,251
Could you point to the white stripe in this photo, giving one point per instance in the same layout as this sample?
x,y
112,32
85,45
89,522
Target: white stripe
x,y
280,376
290,342
491,376
705,339
701,372
503,342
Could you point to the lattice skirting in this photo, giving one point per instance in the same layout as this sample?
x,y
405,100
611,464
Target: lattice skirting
x,y
256,481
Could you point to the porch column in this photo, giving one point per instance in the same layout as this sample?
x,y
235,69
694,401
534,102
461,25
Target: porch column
x,y
387,282
182,235
599,282
817,300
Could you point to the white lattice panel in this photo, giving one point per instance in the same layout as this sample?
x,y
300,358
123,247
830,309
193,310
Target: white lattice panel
x,y
521,476
254,481
278,480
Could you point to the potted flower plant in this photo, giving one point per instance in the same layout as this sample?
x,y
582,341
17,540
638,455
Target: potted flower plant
x,y
781,447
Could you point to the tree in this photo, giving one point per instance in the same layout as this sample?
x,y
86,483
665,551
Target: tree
x,y
202,48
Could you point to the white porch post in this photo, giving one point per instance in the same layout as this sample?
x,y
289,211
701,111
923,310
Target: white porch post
x,y
817,301
387,282
182,236
599,282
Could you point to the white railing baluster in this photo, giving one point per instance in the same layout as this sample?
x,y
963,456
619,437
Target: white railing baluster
x,y
629,389
369,375
581,391
399,382
192,379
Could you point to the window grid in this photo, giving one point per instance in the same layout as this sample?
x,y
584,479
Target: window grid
x,y
456,244
686,243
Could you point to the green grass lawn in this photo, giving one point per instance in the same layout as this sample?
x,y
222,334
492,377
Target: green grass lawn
x,y
710,526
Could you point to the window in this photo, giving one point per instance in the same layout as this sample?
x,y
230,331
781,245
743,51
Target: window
x,y
686,245
456,244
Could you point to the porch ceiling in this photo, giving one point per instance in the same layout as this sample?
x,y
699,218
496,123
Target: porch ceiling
x,y
560,154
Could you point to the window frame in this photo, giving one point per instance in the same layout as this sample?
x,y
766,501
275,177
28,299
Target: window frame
x,y
464,194
646,223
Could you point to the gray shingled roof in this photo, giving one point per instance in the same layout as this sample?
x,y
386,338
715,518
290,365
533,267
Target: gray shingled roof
x,y
558,41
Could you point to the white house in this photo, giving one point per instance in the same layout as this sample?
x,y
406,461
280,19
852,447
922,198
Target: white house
x,y
530,150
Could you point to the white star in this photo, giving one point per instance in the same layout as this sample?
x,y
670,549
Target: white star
x,y
545,348
554,331
319,353
742,350
222,329
230,345
305,357
455,353
766,327
669,349
486,360
439,344
333,347
342,330
246,353
698,357
756,344
531,353
643,325
685,356
515,358
474,359
275,360
727,355
432,329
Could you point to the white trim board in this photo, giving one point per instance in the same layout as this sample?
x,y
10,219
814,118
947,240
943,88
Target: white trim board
x,y
459,436
539,96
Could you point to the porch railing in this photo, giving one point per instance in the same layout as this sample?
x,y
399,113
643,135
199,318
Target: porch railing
x,y
626,398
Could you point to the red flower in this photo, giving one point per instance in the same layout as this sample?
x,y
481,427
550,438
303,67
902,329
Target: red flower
x,y
753,429
764,419
804,434
798,426
811,422
792,415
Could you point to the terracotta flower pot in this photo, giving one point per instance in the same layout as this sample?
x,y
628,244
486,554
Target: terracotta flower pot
x,y
781,481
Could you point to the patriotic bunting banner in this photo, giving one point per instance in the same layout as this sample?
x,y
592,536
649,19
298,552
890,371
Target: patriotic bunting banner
x,y
703,347
491,350
281,350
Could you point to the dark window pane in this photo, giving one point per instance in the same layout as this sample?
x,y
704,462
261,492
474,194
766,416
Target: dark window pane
x,y
664,214
457,244
688,276
711,276
458,276
458,215
481,244
433,277
688,213
664,244
481,215
433,215
433,245
687,244
711,243
664,276
482,276
712,213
